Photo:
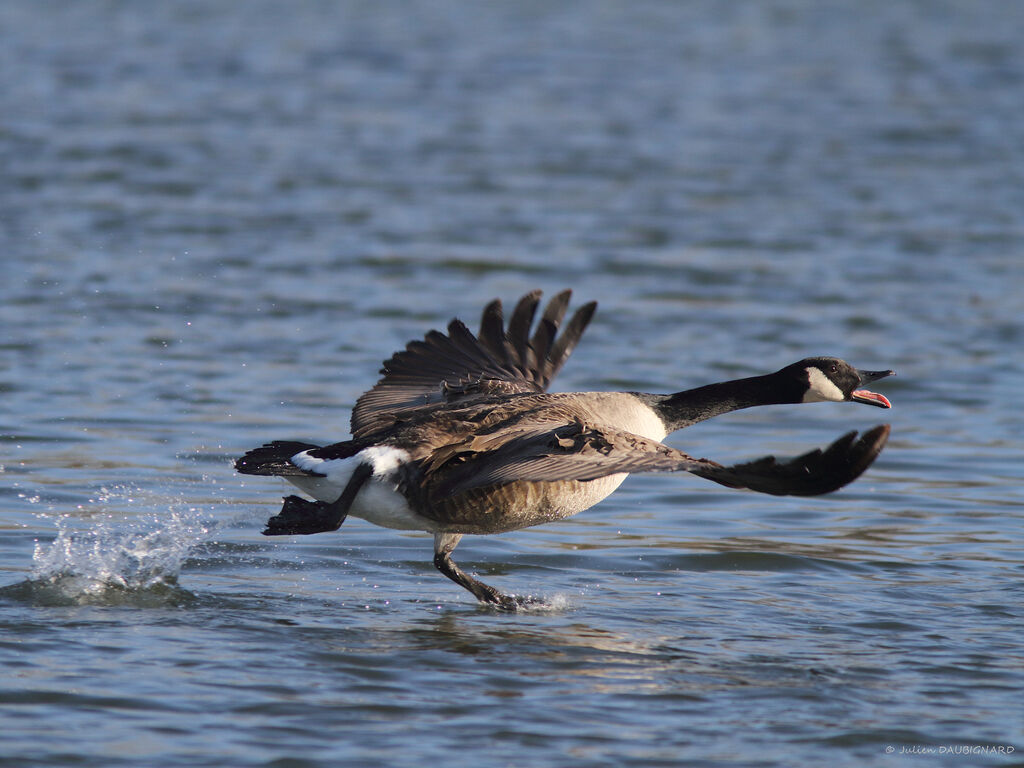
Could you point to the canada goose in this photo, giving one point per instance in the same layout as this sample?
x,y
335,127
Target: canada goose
x,y
460,436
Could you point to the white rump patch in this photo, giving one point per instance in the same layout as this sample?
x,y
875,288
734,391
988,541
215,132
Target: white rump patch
x,y
384,459
325,467
822,388
331,476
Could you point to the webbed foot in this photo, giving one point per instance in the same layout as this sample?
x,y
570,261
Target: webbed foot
x,y
300,516
513,603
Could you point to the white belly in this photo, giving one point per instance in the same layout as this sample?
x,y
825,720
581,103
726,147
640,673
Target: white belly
x,y
378,501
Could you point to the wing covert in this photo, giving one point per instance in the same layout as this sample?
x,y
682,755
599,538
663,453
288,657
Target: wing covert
x,y
580,452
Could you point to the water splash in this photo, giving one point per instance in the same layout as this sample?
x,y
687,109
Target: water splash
x,y
113,558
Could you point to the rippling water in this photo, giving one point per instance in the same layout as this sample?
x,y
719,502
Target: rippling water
x,y
217,220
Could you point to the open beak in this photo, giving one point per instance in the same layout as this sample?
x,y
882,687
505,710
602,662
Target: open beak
x,y
871,398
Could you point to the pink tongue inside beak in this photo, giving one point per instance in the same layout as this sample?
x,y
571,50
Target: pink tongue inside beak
x,y
863,396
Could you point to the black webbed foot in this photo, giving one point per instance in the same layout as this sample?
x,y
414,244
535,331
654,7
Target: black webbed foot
x,y
513,603
300,516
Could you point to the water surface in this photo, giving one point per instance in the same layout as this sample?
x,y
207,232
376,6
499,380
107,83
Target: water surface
x,y
217,222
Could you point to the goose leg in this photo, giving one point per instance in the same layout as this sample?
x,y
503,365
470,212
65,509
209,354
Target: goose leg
x,y
298,515
444,544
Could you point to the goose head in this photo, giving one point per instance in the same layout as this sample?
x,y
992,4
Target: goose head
x,y
829,379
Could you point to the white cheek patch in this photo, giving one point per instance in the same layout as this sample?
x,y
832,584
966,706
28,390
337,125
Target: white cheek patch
x,y
822,388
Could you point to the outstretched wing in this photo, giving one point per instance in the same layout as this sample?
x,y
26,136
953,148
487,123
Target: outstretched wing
x,y
445,367
580,452
811,474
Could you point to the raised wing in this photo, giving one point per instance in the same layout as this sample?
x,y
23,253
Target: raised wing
x,y
445,367
580,452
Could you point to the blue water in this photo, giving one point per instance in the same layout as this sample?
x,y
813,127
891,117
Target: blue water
x,y
216,220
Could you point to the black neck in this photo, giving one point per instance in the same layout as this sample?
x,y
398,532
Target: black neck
x,y
693,405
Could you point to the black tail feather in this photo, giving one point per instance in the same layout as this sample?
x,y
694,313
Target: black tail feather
x,y
273,459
